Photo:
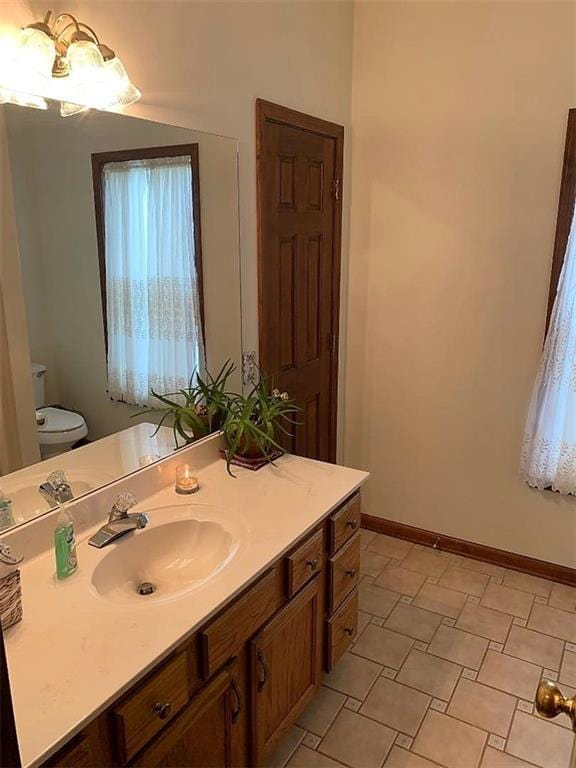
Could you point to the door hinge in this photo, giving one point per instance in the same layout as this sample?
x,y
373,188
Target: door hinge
x,y
336,189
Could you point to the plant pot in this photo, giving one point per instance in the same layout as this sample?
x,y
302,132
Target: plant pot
x,y
249,448
216,422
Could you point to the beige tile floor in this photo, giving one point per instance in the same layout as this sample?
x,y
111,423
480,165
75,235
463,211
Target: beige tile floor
x,y
444,669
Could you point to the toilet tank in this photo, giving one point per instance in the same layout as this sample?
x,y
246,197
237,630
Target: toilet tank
x,y
38,379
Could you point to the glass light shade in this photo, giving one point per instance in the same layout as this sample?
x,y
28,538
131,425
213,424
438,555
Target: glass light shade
x,y
34,52
22,99
28,77
87,82
122,92
67,109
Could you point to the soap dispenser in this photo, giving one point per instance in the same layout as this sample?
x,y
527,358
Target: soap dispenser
x,y
6,514
65,545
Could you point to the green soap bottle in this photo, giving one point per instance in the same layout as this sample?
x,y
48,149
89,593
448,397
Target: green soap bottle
x,y
65,546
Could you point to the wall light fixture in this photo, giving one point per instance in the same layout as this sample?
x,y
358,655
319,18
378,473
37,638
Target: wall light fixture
x,y
64,60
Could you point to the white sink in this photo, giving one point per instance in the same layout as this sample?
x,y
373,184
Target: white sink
x,y
181,548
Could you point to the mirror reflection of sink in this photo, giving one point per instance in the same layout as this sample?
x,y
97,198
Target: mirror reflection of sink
x,y
27,501
177,552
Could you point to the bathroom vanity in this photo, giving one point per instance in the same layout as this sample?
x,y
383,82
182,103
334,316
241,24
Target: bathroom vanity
x,y
204,672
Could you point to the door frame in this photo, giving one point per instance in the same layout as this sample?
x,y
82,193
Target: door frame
x,y
268,112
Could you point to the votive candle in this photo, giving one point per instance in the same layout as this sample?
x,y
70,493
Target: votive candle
x,y
186,481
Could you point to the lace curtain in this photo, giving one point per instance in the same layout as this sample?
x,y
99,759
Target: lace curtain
x,y
153,300
549,447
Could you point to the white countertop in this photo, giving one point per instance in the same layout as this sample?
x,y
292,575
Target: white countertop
x,y
74,652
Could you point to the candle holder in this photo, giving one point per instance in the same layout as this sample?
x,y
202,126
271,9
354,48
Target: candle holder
x,y
186,481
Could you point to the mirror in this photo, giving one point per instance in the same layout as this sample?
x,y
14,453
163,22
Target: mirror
x,y
128,237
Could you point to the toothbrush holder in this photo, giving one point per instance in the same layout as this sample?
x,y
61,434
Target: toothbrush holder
x,y
10,599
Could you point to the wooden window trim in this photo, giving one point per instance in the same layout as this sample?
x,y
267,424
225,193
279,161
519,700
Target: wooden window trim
x,y
99,160
565,210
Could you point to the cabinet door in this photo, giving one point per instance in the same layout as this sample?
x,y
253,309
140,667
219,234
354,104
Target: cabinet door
x,y
202,735
285,669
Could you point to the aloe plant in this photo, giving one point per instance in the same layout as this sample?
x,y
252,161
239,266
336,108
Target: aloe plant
x,y
197,410
253,423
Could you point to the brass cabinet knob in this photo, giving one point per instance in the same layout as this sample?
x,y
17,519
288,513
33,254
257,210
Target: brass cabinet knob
x,y
349,631
352,524
351,572
550,702
312,564
162,709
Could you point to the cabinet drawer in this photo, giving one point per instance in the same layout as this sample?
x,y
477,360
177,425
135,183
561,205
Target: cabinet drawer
x,y
304,562
146,711
225,636
342,629
344,572
344,523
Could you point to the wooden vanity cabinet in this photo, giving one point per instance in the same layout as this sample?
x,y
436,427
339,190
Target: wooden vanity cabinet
x,y
202,735
228,694
286,665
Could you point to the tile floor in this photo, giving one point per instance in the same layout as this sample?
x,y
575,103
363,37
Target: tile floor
x,y
444,669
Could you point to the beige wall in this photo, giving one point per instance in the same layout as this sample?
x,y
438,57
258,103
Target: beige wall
x,y
20,449
202,64
207,77
459,113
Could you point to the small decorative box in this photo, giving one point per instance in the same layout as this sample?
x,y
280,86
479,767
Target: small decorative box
x,y
10,599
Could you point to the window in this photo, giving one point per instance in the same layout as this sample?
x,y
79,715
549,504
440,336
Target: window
x,y
549,448
148,226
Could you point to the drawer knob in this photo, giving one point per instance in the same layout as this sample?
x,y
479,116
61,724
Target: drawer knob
x,y
312,564
351,572
352,524
162,709
349,631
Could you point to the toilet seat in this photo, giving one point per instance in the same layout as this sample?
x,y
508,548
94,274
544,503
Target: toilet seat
x,y
60,426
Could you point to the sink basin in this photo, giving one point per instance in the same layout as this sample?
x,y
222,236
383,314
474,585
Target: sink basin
x,y
179,550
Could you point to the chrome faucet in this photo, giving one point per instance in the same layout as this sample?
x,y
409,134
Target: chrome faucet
x,y
56,488
119,522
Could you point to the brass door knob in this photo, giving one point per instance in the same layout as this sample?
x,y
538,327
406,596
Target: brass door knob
x,y
550,702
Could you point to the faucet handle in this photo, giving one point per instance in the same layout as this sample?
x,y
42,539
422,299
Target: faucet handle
x,y
57,478
124,502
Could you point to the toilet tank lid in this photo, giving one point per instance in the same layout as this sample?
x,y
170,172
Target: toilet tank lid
x,y
38,368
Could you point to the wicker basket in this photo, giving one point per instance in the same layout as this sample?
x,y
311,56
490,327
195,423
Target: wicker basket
x,y
10,599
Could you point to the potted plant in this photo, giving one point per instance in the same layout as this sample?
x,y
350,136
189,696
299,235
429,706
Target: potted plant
x,y
254,423
196,410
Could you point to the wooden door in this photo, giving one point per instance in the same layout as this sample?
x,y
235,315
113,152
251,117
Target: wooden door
x,y
299,234
202,736
285,669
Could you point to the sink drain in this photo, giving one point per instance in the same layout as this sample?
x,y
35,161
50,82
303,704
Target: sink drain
x,y
146,588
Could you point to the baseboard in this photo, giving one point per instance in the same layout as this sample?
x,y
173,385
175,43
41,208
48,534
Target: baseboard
x,y
560,573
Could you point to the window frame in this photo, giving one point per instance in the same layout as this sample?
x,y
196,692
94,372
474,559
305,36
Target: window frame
x,y
565,211
99,160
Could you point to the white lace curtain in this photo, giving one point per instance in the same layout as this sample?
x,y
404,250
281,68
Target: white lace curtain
x,y
549,447
155,336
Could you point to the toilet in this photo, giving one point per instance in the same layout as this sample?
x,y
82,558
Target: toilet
x,y
58,429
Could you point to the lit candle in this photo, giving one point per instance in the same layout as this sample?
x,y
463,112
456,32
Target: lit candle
x,y
186,482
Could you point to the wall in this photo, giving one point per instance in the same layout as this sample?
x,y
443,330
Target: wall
x,y
202,64
18,444
55,214
459,113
